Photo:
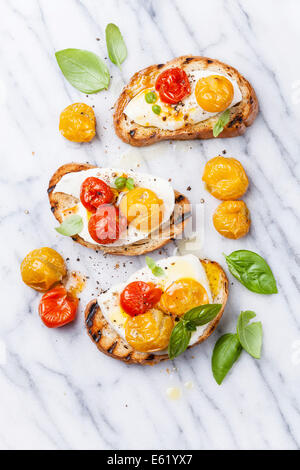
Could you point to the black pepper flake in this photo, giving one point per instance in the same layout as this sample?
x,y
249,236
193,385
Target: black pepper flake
x,y
188,188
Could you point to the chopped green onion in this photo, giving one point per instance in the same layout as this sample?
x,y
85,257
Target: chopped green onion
x,y
150,97
156,109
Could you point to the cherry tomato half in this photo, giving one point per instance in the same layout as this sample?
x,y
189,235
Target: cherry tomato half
x,y
95,192
106,224
57,307
139,296
173,85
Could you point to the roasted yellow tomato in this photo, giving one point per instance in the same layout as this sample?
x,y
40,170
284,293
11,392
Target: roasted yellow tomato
x,y
78,123
149,331
232,219
183,295
225,178
42,268
214,93
142,208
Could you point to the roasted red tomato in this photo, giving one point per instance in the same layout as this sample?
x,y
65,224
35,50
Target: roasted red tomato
x,y
57,307
139,296
173,85
94,192
106,224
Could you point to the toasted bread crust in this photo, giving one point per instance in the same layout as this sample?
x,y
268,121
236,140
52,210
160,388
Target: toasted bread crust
x,y
111,344
242,115
61,201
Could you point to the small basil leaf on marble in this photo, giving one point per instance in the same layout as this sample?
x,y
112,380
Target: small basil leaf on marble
x,y
179,340
156,270
83,69
116,47
226,352
252,271
221,123
71,225
203,314
182,331
130,183
250,335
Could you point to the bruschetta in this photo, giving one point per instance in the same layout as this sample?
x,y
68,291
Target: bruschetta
x,y
133,322
187,98
119,212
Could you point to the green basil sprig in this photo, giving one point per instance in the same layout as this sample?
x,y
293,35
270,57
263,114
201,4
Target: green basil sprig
x,y
156,270
130,183
83,69
221,123
182,331
116,46
228,348
71,225
121,182
252,271
250,335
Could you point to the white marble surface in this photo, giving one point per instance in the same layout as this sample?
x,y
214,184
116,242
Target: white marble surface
x,y
57,390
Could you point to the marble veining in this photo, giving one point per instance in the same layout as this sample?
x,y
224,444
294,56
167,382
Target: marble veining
x,y
57,390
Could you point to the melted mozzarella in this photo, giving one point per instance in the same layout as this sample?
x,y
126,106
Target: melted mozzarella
x,y
175,267
173,117
71,183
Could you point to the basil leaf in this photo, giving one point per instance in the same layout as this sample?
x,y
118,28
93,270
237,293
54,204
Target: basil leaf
x,y
120,182
226,351
116,46
71,225
130,183
190,325
252,271
83,69
179,340
203,314
250,336
181,333
156,270
221,123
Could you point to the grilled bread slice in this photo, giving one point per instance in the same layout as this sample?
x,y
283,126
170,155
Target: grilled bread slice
x,y
242,115
110,342
60,202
